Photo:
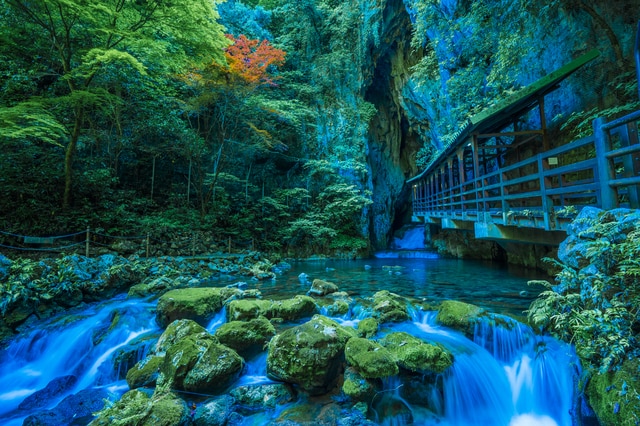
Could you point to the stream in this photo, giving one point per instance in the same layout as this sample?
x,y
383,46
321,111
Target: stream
x,y
505,376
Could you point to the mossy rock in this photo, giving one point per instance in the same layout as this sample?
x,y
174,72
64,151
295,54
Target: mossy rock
x,y
370,359
310,355
368,327
338,308
248,309
264,396
322,288
198,363
214,412
197,304
357,387
390,307
137,408
246,337
459,316
175,332
615,397
294,309
145,372
416,355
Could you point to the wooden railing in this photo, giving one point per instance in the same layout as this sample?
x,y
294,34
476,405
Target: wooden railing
x,y
545,190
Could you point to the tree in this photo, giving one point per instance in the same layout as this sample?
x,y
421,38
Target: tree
x,y
79,40
252,59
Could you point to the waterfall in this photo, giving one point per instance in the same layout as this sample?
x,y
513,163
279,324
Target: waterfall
x,y
410,238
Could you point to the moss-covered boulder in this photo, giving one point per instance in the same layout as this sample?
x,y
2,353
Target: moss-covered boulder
x,y
198,363
175,332
145,372
289,309
368,327
246,337
322,288
390,307
370,359
294,309
263,397
197,304
357,387
310,355
416,355
137,408
615,396
459,316
248,309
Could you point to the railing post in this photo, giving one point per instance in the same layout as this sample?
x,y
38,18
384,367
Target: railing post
x,y
547,203
606,172
86,242
637,56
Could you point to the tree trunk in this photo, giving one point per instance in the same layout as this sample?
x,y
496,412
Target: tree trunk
x,y
69,156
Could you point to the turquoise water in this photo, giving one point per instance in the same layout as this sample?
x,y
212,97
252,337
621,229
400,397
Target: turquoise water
x,y
497,287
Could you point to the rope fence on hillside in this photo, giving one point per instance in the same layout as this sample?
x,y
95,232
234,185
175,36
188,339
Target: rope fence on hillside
x,y
92,238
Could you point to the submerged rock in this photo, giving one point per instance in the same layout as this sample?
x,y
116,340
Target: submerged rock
x,y
310,355
416,355
54,388
459,316
246,337
214,412
198,304
322,288
74,409
370,359
261,397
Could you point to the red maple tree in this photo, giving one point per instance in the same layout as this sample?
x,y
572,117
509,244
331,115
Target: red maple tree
x,y
251,59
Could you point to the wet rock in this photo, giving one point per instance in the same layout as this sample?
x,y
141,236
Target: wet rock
x,y
75,409
246,338
175,332
138,408
416,355
197,304
459,316
214,412
261,397
248,309
310,355
54,389
289,309
145,372
198,363
368,327
338,308
156,286
390,307
322,288
370,359
357,387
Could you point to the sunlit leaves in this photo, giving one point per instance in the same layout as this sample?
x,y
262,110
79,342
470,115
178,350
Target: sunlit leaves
x,y
252,60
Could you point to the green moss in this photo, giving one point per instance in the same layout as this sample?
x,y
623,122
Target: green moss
x,y
416,355
248,309
130,410
245,336
357,387
370,359
145,372
368,327
198,304
459,315
614,396
177,331
294,309
390,307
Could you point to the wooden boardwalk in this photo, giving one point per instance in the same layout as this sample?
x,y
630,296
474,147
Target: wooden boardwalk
x,y
508,185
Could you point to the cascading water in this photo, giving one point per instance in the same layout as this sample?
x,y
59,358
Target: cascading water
x,y
80,344
410,243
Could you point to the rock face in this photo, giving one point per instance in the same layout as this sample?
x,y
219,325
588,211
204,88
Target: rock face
x,y
310,355
197,304
415,355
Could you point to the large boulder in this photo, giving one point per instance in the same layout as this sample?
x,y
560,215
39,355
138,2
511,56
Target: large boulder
x,y
416,355
390,307
197,304
262,397
214,412
310,355
137,408
248,309
459,316
198,363
246,337
145,372
175,332
370,359
289,309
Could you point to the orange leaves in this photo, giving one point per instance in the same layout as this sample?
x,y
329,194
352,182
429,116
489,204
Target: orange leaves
x,y
251,59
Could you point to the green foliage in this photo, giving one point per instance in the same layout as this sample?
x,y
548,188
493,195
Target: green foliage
x,y
597,308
